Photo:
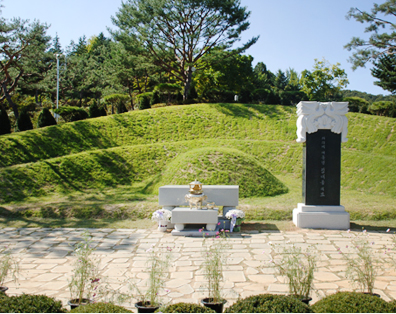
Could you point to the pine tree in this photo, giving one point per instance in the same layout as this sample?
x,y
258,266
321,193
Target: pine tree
x,y
5,125
385,71
45,118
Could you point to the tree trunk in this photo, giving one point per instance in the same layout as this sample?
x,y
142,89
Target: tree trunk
x,y
8,97
187,83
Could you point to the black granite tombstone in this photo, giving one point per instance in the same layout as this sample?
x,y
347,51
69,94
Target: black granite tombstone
x,y
322,168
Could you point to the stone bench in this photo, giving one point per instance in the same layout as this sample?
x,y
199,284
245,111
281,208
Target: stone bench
x,y
171,197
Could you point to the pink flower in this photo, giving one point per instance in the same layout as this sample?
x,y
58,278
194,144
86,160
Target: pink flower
x,y
227,231
200,230
217,233
218,224
217,237
346,246
207,234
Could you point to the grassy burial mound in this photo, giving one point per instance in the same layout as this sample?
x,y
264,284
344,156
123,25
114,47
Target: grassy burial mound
x,y
222,166
144,149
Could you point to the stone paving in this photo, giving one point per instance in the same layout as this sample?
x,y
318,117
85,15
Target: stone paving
x,y
46,256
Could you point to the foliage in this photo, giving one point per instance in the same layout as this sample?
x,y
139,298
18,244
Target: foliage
x,y
45,118
23,123
385,70
144,100
364,265
27,303
380,42
117,100
70,113
269,303
96,111
164,29
298,267
351,302
5,125
357,104
155,98
9,265
324,82
383,108
85,274
186,308
100,307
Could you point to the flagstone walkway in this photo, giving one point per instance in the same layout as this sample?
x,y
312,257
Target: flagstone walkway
x,y
46,258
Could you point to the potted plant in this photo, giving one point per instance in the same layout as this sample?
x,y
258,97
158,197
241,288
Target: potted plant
x,y
158,265
214,256
298,267
85,280
9,267
163,217
362,266
236,216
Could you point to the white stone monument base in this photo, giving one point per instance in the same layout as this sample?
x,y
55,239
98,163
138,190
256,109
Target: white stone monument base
x,y
320,217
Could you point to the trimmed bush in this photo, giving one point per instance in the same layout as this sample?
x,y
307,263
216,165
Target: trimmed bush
x,y
187,308
383,108
96,111
27,303
23,123
357,104
155,98
269,303
45,118
100,307
70,113
144,100
5,125
352,302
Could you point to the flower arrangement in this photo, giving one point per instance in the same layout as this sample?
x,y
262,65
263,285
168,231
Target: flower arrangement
x,y
236,216
298,267
9,266
85,275
364,265
162,214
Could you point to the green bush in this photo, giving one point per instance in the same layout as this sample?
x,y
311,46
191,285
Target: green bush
x,y
155,98
357,104
187,308
5,125
96,111
27,303
383,108
100,307
45,118
70,113
352,302
23,123
144,100
269,303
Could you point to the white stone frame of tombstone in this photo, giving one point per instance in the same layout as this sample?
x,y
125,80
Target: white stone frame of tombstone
x,y
312,116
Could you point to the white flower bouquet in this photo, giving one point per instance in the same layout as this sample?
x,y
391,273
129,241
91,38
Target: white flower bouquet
x,y
235,213
162,214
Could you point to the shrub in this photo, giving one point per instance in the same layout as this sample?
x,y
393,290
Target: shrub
x,y
23,123
121,108
27,303
45,118
155,98
70,114
357,104
144,100
96,111
100,307
116,100
269,303
187,308
352,302
383,108
5,125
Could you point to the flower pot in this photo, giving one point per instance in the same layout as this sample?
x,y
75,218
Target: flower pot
x,y
3,290
217,307
162,225
237,227
145,307
74,303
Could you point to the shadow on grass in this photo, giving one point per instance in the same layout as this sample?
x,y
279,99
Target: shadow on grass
x,y
259,226
382,225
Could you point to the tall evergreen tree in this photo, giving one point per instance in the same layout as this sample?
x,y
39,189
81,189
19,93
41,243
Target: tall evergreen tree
x,y
385,70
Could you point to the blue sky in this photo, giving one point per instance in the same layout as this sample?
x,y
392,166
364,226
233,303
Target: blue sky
x,y
292,32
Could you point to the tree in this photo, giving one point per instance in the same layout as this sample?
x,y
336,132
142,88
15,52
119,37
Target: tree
x,y
357,104
385,71
45,118
23,123
178,33
324,82
380,42
5,125
18,47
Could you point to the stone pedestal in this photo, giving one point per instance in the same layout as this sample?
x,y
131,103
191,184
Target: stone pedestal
x,y
321,127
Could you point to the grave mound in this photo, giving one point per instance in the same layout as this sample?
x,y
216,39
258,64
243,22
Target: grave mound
x,y
222,166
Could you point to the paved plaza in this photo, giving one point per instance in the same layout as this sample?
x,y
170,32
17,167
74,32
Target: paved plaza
x,y
46,258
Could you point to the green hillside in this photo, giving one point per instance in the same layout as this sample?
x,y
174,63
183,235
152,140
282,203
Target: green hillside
x,y
142,150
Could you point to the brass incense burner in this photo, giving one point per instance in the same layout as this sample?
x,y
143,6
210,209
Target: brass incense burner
x,y
196,195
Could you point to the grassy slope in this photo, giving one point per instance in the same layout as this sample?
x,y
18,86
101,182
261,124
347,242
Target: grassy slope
x,y
134,149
